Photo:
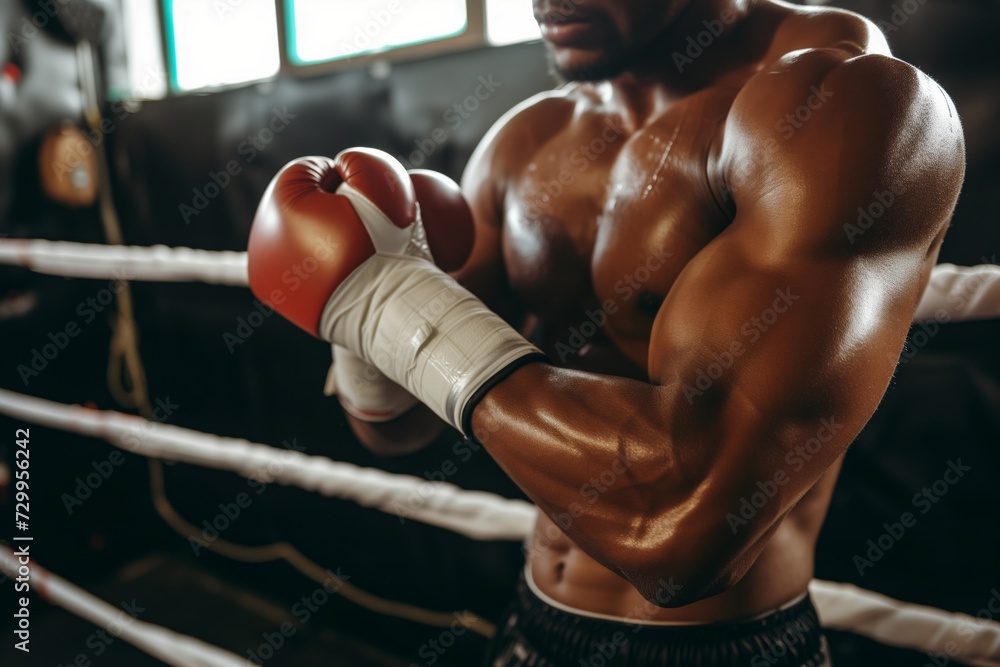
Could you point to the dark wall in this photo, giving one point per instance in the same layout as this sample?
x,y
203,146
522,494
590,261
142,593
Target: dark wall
x,y
173,147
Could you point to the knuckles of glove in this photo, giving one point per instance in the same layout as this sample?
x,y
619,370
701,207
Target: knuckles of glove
x,y
306,239
447,218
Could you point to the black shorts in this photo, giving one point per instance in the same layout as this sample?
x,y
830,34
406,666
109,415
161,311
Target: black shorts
x,y
535,634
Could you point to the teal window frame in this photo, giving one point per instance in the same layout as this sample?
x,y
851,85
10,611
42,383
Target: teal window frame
x,y
472,36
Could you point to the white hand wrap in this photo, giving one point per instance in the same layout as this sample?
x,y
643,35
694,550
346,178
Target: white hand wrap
x,y
423,330
363,391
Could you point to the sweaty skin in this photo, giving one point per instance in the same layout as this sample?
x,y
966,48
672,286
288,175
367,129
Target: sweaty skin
x,y
721,258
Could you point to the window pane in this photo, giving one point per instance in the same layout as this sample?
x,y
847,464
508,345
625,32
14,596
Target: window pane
x,y
146,72
323,30
218,42
510,21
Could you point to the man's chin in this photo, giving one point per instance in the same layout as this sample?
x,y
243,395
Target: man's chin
x,y
583,69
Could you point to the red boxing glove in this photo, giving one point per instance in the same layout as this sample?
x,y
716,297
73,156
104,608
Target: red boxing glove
x,y
446,216
339,248
295,246
307,239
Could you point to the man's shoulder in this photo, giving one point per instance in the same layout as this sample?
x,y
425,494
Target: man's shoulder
x,y
809,42
805,27
536,117
515,137
830,130
843,88
831,70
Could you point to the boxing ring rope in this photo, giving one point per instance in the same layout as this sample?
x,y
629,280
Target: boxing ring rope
x,y
957,293
840,606
475,514
954,293
170,647
847,607
115,262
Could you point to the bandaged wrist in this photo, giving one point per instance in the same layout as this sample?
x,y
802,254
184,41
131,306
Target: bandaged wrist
x,y
424,331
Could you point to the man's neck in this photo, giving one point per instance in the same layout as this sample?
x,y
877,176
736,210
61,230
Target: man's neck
x,y
706,41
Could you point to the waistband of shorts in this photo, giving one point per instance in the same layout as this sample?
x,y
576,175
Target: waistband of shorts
x,y
635,620
796,626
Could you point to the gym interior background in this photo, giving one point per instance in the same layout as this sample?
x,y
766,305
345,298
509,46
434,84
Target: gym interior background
x,y
192,139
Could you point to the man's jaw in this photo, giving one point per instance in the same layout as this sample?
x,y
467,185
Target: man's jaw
x,y
611,59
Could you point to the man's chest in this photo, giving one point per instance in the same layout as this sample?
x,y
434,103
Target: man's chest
x,y
602,218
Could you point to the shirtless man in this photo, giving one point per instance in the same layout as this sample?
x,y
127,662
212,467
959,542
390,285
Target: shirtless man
x,y
717,233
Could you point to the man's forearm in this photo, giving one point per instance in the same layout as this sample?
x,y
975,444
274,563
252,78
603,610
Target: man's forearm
x,y
594,452
641,479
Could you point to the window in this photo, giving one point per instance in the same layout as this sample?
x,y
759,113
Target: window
x,y
147,77
320,30
212,43
221,42
510,21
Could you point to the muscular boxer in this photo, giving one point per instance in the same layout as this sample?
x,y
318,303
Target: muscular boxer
x,y
694,269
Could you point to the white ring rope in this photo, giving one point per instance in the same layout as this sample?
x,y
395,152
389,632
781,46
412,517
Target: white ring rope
x,y
962,293
166,645
916,627
955,292
478,515
481,516
116,262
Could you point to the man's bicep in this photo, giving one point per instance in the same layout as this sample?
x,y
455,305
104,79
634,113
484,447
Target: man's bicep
x,y
776,337
772,365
